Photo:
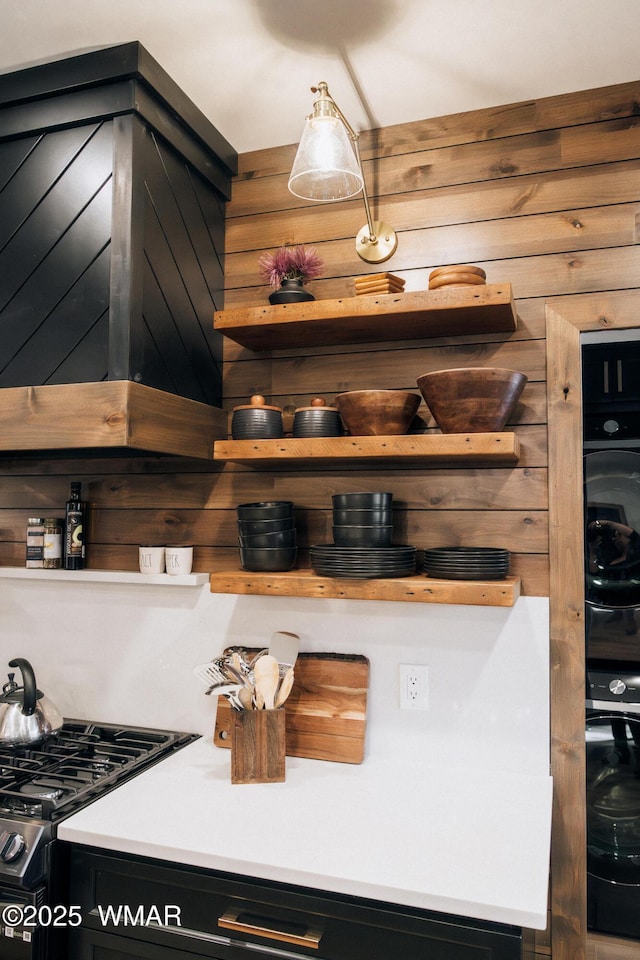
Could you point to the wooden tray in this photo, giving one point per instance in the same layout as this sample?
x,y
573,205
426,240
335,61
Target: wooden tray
x,y
326,710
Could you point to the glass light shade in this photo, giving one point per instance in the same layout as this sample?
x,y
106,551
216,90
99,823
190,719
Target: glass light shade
x,y
325,167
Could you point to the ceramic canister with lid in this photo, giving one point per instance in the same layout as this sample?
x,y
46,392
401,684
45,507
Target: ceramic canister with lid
x,y
318,420
257,420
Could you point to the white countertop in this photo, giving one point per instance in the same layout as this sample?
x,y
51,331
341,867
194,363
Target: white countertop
x,y
414,833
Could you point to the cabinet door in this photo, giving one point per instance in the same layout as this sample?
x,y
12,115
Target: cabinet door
x,y
230,917
94,945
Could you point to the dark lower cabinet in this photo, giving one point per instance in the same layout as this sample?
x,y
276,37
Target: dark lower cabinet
x,y
139,908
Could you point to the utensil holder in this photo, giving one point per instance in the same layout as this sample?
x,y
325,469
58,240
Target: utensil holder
x,y
258,746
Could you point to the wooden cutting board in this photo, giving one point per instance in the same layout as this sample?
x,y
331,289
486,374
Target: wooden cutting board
x,y
326,710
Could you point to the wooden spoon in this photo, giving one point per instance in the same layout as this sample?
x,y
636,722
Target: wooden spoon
x,y
285,687
267,677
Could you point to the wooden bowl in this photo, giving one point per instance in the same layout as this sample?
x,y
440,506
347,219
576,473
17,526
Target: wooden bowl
x,y
472,399
377,413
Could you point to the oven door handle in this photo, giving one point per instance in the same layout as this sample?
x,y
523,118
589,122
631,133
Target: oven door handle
x,y
230,920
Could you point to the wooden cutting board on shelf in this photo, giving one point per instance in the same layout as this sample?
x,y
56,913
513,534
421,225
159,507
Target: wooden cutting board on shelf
x,y
326,710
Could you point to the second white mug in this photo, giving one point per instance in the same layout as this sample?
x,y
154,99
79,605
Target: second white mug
x,y
178,560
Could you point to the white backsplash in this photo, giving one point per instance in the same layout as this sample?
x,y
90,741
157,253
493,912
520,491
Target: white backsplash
x,y
124,653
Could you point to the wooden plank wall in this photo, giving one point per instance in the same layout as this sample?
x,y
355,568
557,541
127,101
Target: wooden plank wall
x,y
543,194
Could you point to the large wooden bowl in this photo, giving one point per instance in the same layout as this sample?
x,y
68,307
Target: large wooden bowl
x,y
377,413
472,399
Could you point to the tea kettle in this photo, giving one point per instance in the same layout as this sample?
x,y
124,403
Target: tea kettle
x,y
26,716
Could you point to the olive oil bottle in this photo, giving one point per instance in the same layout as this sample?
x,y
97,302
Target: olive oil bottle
x,y
75,522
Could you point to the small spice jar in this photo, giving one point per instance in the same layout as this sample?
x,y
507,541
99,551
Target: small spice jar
x,y
52,547
35,543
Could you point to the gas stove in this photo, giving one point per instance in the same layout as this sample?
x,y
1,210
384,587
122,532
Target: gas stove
x,y
44,783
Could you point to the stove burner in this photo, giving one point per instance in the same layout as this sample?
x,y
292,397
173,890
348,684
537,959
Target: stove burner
x,y
51,779
42,790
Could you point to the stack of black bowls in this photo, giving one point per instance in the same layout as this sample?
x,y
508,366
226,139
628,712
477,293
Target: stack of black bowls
x,y
362,519
267,535
362,534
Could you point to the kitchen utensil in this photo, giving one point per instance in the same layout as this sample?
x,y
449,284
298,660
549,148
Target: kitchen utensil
x,y
266,510
363,536
375,283
258,746
377,413
267,678
250,527
284,646
472,399
458,268
362,501
268,558
457,275
26,715
318,420
326,710
285,687
279,538
257,421
358,517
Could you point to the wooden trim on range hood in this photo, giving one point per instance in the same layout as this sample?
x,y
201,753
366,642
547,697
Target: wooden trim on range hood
x,y
109,414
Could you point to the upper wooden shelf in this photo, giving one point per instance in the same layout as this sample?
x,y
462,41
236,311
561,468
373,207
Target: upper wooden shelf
x,y
470,448
416,589
447,312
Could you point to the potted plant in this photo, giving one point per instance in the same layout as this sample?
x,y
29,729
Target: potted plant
x,y
287,269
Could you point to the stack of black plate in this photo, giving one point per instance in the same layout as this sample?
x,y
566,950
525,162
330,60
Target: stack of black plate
x,y
363,563
467,563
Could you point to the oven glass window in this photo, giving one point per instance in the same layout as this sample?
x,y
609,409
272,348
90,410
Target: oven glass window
x,y
613,796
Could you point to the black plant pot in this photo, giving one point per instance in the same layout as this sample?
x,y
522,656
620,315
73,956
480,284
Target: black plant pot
x,y
291,291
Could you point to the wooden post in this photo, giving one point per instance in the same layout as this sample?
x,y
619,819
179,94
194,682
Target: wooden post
x,y
258,746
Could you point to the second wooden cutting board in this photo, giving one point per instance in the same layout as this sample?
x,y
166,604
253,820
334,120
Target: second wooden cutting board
x,y
326,710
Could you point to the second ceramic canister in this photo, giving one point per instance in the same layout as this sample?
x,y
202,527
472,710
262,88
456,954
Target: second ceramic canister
x,y
318,420
257,421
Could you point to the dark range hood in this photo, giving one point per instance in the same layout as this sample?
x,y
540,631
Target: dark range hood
x,y
112,194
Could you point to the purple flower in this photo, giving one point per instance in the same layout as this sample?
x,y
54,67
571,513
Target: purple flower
x,y
290,263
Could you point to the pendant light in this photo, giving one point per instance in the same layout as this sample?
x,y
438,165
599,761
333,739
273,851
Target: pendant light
x,y
328,167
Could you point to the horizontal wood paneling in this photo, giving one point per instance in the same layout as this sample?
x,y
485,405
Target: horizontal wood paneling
x,y
544,195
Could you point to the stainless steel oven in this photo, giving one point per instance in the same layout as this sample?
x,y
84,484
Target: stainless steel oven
x,y
611,399
40,785
613,815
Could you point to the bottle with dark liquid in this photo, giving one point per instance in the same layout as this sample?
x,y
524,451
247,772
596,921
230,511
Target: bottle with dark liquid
x,y
74,530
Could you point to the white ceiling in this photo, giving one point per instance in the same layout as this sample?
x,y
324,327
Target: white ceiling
x,y
249,64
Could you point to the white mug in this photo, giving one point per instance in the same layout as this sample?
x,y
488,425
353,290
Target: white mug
x,y
151,559
178,560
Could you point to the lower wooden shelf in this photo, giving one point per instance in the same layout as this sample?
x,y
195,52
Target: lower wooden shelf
x,y
415,589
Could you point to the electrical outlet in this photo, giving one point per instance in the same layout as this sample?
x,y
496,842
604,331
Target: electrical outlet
x,y
414,686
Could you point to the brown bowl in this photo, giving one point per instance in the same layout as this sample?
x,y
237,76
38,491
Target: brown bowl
x,y
472,399
377,413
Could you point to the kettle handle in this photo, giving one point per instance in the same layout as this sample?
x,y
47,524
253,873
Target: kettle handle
x,y
29,685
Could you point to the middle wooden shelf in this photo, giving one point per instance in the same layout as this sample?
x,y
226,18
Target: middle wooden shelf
x,y
471,448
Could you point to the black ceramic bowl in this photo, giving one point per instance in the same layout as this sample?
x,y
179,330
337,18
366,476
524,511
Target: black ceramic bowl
x,y
376,536
250,527
267,510
270,559
364,518
281,538
361,501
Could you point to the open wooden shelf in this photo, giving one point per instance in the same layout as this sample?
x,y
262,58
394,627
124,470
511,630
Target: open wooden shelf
x,y
417,589
447,312
105,576
471,448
